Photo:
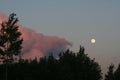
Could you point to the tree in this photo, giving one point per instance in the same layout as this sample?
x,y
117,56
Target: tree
x,y
117,73
69,66
110,73
87,68
78,66
10,40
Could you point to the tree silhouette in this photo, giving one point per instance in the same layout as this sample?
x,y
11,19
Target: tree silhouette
x,y
78,66
68,66
10,41
117,73
110,73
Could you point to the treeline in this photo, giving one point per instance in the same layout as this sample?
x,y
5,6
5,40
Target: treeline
x,y
68,66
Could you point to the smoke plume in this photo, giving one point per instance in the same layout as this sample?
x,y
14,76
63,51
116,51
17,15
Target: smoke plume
x,y
36,44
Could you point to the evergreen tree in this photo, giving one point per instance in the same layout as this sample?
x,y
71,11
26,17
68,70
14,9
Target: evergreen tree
x,y
110,73
117,73
78,66
10,41
69,66
87,68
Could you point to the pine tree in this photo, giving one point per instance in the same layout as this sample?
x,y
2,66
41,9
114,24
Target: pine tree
x,y
110,73
117,73
78,66
10,40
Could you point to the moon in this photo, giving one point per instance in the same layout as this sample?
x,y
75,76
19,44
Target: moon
x,y
93,40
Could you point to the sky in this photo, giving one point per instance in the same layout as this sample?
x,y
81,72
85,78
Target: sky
x,y
76,21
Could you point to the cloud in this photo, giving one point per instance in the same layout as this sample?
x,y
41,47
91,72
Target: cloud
x,y
37,44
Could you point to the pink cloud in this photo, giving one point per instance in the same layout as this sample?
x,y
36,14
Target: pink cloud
x,y
36,44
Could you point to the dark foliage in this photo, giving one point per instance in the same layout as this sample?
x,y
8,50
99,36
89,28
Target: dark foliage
x,y
10,45
110,73
113,75
117,73
10,41
69,66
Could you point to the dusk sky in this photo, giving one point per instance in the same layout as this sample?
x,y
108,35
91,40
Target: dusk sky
x,y
77,21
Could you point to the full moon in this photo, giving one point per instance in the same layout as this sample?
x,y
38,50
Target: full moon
x,y
93,41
